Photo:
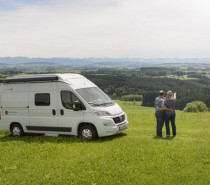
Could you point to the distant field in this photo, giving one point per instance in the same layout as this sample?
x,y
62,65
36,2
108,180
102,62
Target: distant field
x,y
133,157
185,77
208,74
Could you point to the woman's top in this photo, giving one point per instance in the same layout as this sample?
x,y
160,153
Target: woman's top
x,y
170,103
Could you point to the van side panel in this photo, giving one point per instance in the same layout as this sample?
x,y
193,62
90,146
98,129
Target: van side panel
x,y
14,103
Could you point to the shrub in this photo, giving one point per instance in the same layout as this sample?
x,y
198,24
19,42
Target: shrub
x,y
196,106
131,97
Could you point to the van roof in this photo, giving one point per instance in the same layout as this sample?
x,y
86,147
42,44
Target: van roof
x,y
42,77
75,80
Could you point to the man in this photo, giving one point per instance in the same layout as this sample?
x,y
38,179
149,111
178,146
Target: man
x,y
159,112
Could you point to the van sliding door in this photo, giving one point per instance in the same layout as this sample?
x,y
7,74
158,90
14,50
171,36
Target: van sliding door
x,y
43,107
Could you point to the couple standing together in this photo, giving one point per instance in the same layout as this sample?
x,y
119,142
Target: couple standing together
x,y
165,112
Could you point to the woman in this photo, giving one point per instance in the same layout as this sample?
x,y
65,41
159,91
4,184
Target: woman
x,y
170,115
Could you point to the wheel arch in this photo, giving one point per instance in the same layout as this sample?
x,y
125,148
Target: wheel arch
x,y
86,123
13,123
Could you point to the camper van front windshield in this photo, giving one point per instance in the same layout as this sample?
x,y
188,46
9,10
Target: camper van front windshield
x,y
95,96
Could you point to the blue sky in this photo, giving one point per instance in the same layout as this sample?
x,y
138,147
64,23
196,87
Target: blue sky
x,y
9,5
105,28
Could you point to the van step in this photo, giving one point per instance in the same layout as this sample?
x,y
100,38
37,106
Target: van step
x,y
50,134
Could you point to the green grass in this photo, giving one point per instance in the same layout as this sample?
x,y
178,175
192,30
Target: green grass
x,y
133,157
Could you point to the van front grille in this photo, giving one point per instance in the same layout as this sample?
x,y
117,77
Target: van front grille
x,y
119,119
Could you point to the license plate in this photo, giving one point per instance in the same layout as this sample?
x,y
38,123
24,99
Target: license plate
x,y
122,127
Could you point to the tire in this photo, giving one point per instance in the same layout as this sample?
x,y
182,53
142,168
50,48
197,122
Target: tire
x,y
17,130
88,132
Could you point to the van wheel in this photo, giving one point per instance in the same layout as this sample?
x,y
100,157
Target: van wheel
x,y
17,130
88,132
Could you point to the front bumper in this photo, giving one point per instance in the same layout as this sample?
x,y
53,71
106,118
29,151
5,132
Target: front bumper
x,y
109,126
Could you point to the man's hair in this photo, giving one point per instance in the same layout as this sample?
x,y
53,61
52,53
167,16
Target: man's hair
x,y
161,92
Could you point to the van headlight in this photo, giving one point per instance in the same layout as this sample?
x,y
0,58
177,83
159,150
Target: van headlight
x,y
102,113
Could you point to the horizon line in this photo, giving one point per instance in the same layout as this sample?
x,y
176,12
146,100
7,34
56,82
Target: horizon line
x,y
108,57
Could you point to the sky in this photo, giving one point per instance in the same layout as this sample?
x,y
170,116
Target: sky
x,y
105,28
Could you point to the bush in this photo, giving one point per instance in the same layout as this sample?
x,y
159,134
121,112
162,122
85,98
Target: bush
x,y
196,106
131,97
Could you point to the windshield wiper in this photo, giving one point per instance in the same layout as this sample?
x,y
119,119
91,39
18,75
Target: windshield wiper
x,y
94,104
107,103
100,104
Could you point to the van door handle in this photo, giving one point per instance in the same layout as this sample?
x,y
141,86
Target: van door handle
x,y
53,112
62,112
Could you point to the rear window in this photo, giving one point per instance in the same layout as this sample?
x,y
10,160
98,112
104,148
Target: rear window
x,y
42,99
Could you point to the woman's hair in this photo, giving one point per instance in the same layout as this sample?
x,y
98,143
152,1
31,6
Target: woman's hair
x,y
169,95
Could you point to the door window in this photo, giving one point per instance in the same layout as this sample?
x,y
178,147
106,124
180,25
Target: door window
x,y
68,98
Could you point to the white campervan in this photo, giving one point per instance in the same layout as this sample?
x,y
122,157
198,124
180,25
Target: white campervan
x,y
58,104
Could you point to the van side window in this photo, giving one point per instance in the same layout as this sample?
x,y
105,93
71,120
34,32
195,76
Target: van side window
x,y
68,98
42,99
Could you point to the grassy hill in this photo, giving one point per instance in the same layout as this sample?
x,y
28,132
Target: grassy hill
x,y
133,157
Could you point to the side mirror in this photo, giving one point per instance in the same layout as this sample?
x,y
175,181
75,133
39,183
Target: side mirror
x,y
77,106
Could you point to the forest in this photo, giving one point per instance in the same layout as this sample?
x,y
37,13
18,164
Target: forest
x,y
117,83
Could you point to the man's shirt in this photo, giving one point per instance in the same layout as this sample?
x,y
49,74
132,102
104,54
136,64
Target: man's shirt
x,y
159,103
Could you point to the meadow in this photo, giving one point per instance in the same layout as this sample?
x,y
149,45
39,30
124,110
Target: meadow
x,y
134,157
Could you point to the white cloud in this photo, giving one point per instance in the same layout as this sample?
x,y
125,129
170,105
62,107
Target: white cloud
x,y
107,28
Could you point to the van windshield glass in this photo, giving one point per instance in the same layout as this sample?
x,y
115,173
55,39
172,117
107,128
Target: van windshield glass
x,y
95,96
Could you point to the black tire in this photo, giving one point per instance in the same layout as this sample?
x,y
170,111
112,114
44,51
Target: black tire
x,y
88,132
17,130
